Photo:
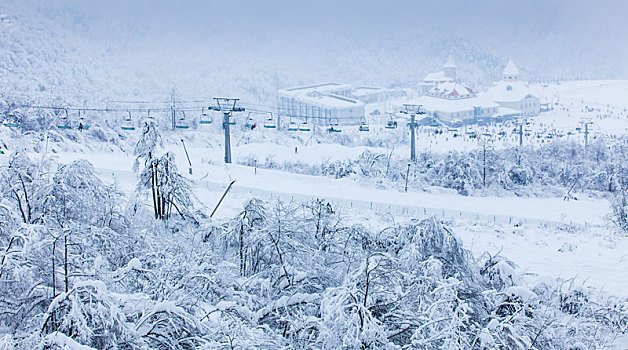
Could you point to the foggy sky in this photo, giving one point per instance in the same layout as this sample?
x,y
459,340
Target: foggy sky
x,y
251,44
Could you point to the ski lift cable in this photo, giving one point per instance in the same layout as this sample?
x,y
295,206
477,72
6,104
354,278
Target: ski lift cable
x,y
159,106
263,109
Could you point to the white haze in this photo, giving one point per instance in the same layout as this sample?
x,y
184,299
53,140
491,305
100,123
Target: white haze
x,y
141,49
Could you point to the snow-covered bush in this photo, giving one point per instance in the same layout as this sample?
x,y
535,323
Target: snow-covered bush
x,y
619,207
77,194
96,271
554,168
90,315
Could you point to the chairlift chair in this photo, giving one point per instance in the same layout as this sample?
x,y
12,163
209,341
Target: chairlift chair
x,y
250,123
392,124
270,123
83,125
334,128
12,121
292,126
64,122
181,123
206,118
127,124
364,126
304,127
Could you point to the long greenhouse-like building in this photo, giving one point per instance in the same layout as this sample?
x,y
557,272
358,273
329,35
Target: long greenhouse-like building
x,y
321,104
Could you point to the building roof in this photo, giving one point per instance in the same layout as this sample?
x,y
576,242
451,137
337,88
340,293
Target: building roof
x,y
323,88
450,63
511,69
508,91
436,104
451,90
436,77
366,90
330,101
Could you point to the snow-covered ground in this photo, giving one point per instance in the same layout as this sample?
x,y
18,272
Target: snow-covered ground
x,y
544,236
535,233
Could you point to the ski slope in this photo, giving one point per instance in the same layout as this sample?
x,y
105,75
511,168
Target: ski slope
x,y
349,192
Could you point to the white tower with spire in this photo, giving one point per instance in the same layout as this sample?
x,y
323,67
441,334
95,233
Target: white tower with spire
x,y
449,68
511,72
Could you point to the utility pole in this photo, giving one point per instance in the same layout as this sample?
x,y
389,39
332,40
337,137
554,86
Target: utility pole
x,y
412,110
407,175
172,110
227,106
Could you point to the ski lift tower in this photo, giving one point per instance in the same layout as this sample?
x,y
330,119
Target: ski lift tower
x,y
412,110
586,123
227,106
520,123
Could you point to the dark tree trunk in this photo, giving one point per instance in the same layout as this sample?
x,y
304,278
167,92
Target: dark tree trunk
x,y
154,188
65,263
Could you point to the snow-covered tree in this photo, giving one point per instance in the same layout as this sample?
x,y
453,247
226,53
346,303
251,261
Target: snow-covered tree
x,y
619,207
159,174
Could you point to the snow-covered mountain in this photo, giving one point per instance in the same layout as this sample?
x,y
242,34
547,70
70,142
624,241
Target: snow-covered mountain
x,y
97,51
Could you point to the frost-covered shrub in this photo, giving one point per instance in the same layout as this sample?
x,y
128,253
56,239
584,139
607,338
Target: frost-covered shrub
x,y
167,326
551,168
103,134
573,301
619,207
90,315
498,272
346,323
458,172
519,176
276,275
77,194
432,239
338,169
158,175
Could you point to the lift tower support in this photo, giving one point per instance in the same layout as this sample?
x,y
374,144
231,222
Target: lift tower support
x,y
412,110
586,123
227,106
